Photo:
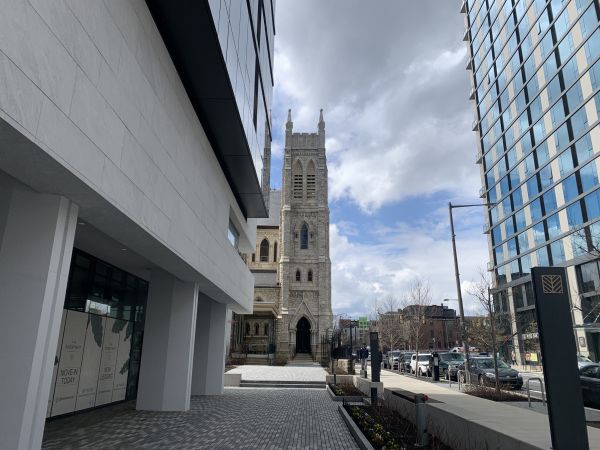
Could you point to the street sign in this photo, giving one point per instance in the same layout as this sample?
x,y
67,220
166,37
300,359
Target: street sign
x,y
363,323
561,376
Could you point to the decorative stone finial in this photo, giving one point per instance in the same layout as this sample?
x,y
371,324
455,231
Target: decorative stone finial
x,y
321,121
289,124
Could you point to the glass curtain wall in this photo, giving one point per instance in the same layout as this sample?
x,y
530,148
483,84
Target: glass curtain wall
x,y
536,76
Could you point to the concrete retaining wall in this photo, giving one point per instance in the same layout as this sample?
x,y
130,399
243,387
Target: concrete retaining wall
x,y
451,428
232,379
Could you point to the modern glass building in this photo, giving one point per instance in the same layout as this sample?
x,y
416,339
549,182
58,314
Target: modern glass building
x,y
132,168
535,84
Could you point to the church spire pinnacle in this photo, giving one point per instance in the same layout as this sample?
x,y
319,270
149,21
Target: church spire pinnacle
x,y
289,124
321,121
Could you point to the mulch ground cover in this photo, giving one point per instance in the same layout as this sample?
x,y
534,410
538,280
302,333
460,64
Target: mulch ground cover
x,y
345,390
387,430
489,393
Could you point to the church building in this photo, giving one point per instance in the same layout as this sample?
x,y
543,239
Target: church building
x,y
291,266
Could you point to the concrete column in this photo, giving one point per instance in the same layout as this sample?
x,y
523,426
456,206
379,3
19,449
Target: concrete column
x,y
166,365
209,349
36,243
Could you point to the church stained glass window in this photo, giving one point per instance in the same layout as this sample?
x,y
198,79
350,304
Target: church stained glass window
x,y
304,237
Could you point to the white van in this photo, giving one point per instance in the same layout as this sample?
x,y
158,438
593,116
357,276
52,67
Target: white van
x,y
423,367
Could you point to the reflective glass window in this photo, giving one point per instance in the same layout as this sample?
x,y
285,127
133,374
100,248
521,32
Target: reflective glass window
x,y
570,190
553,224
539,236
589,176
549,201
574,216
592,205
558,252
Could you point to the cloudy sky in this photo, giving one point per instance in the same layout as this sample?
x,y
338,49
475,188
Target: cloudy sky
x,y
390,76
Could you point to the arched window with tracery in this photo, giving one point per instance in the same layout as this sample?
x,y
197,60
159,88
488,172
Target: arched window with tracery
x,y
310,276
247,329
298,277
275,252
256,328
304,236
297,180
264,251
266,329
311,181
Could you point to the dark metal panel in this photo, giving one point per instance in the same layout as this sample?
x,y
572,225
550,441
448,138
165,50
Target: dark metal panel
x,y
561,375
191,38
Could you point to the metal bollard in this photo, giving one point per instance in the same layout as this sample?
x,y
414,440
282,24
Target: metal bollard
x,y
541,389
421,420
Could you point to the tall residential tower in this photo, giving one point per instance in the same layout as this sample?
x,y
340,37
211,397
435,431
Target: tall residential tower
x,y
535,76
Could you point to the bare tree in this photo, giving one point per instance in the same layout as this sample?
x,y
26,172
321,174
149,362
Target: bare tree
x,y
389,321
485,332
416,302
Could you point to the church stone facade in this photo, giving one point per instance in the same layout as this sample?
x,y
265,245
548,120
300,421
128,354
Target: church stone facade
x,y
291,266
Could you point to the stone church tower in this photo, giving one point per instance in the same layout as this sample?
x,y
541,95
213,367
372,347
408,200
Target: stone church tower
x,y
291,267
304,265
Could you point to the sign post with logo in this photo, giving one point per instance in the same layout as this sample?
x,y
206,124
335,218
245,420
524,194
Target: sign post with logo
x,y
557,341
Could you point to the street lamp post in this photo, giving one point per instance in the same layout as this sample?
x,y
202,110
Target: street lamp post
x,y
464,338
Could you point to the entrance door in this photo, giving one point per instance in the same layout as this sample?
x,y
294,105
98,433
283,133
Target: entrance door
x,y
303,336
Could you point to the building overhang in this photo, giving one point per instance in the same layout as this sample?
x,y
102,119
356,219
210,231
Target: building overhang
x,y
190,35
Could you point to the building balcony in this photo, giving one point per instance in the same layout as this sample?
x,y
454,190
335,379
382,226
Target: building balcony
x,y
478,158
486,228
475,125
490,266
466,35
482,192
470,64
472,94
463,7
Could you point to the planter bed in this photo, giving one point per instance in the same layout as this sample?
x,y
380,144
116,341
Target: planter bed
x,y
489,393
345,392
380,428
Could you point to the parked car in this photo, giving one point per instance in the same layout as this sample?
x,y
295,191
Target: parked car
x,y
393,359
589,376
404,361
449,363
582,361
482,372
422,368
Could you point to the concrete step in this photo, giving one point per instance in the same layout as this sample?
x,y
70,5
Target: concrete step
x,y
283,384
257,362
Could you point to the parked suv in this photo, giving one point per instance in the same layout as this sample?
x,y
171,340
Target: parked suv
x,y
422,368
449,363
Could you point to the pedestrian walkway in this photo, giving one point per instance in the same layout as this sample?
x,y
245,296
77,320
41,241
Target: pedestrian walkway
x,y
522,424
238,419
281,373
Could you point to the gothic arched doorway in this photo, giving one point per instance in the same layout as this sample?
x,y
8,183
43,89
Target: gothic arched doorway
x,y
303,336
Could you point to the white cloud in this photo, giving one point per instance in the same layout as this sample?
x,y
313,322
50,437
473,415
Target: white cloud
x,y
393,84
362,273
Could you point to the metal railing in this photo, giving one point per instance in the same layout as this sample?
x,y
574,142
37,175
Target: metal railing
x,y
541,388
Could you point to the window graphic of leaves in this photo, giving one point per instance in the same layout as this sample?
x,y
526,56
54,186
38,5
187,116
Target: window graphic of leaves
x,y
129,330
125,367
118,325
97,328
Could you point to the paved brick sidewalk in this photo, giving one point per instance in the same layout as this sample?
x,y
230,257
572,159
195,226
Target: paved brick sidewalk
x,y
241,419
281,373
